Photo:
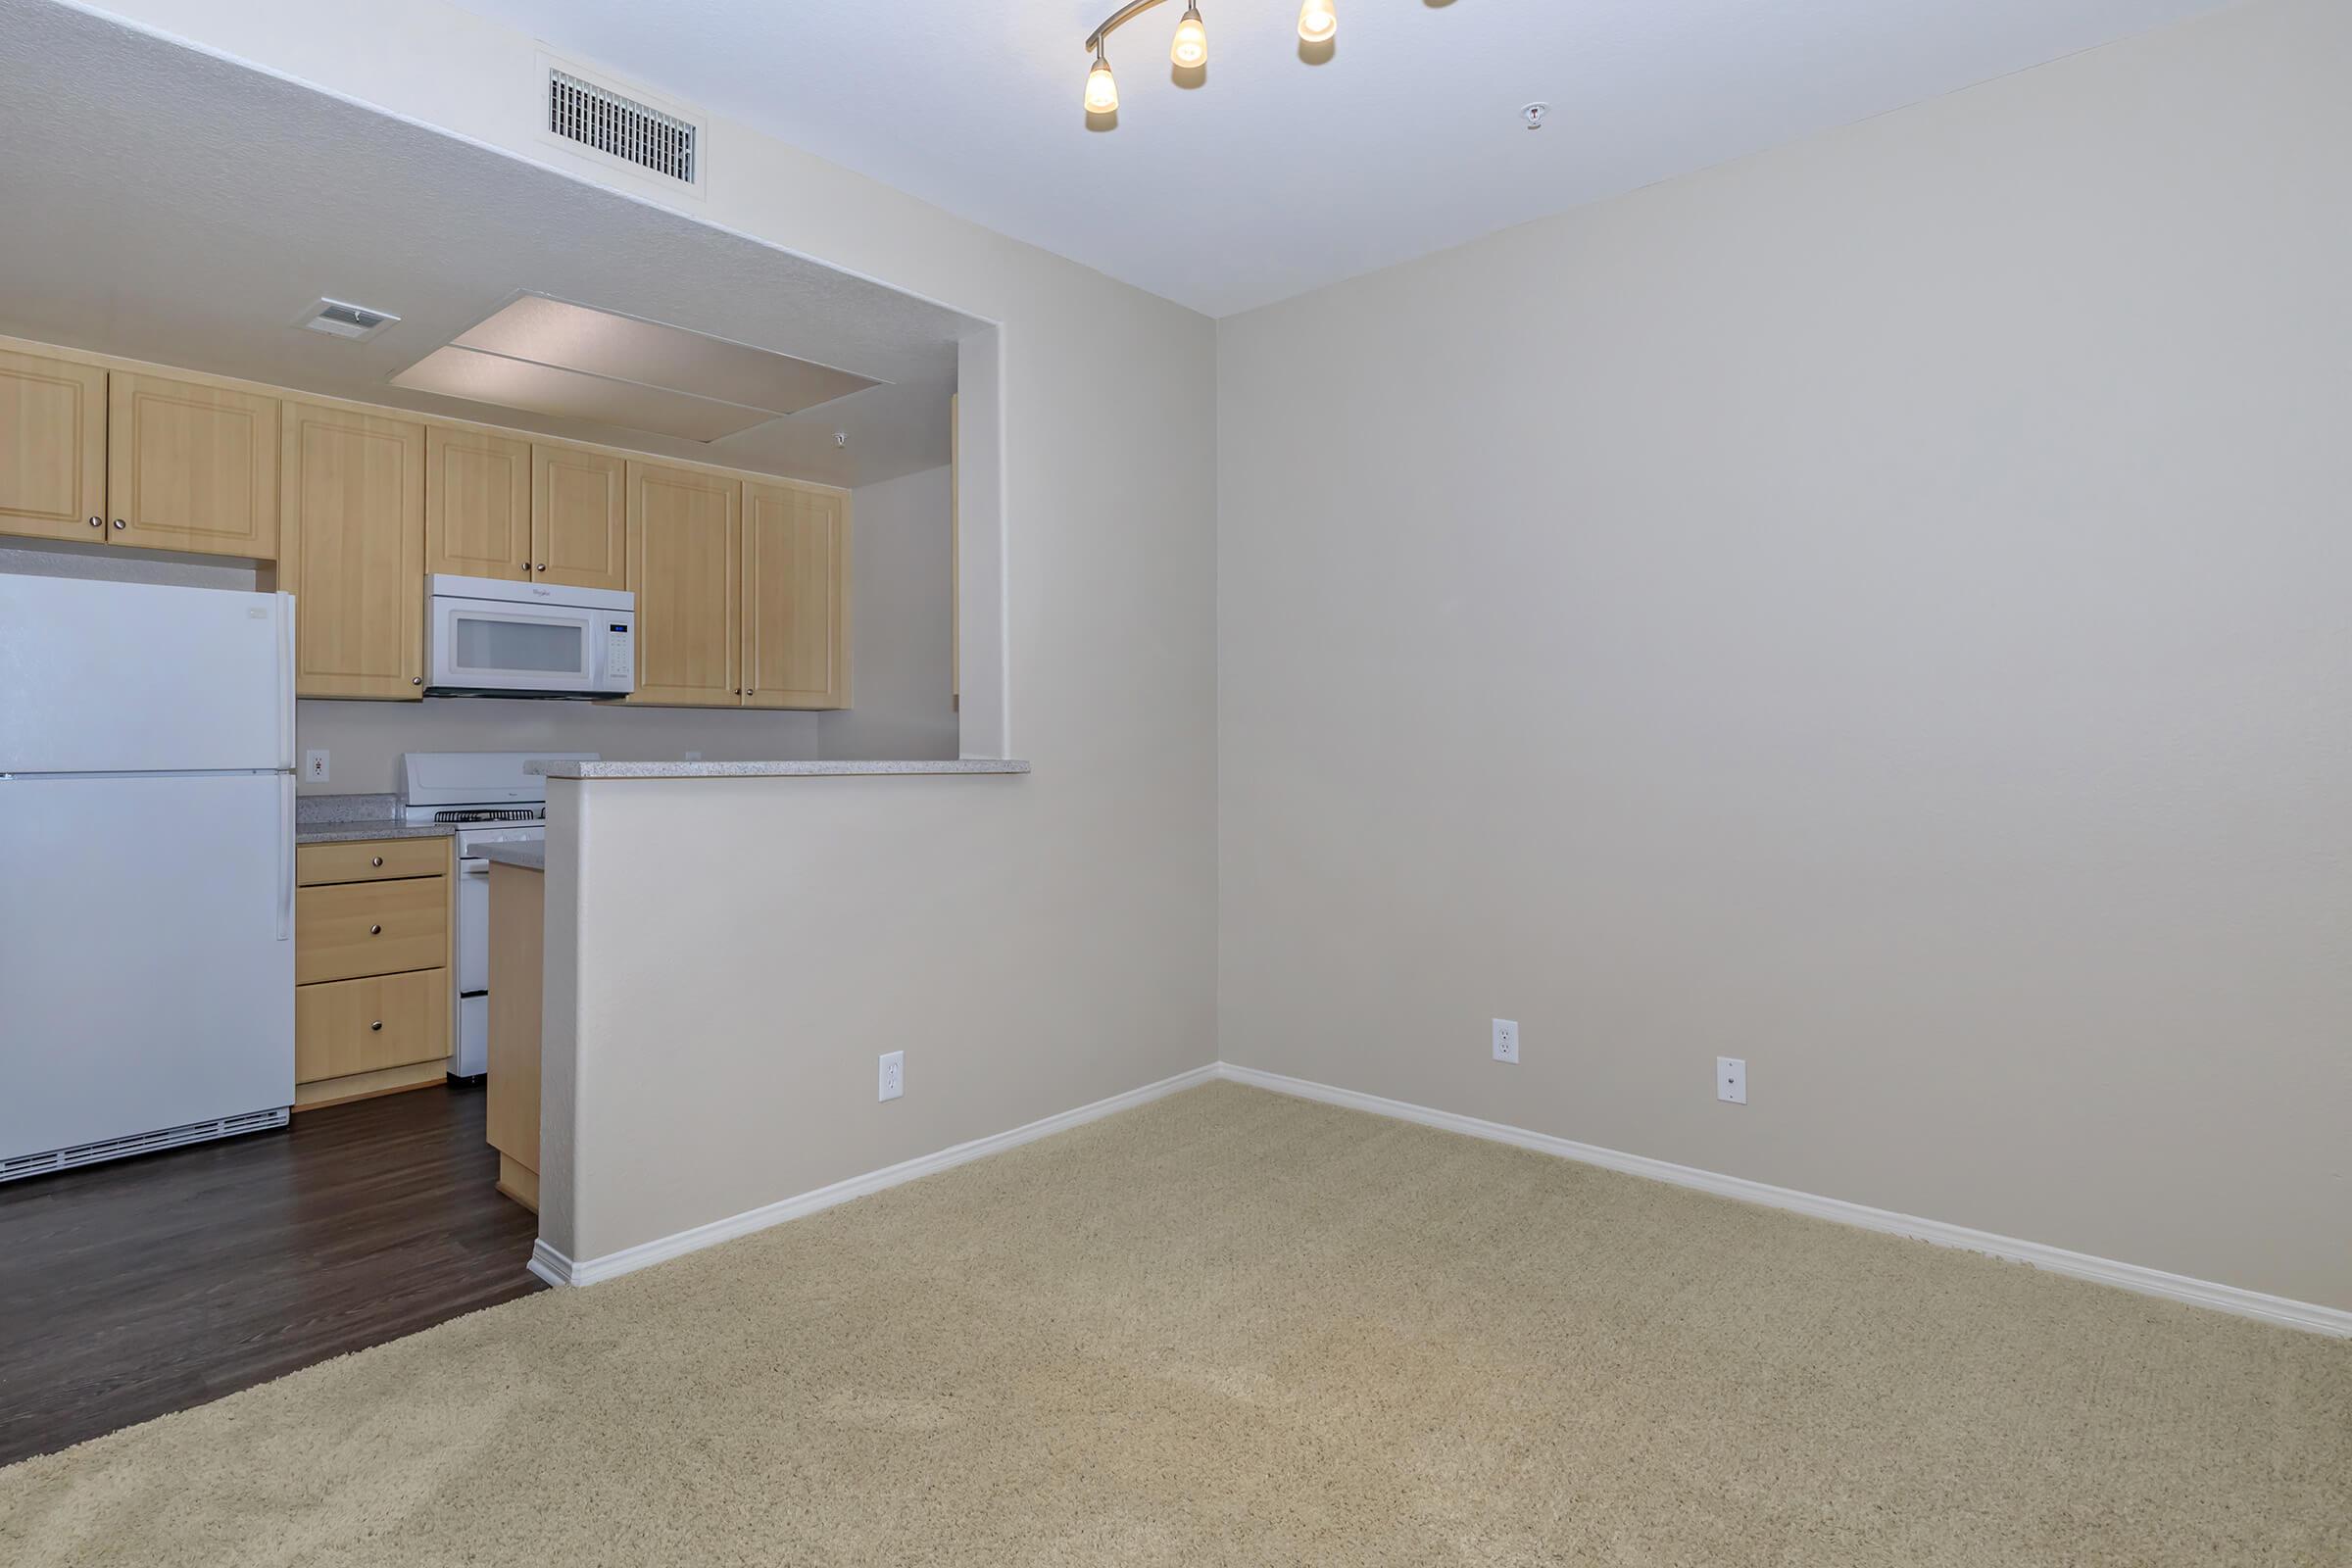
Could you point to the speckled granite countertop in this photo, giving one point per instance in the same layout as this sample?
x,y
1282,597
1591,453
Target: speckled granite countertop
x,y
531,857
597,770
341,818
391,827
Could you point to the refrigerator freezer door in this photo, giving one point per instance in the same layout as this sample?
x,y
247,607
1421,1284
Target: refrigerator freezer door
x,y
115,677
142,982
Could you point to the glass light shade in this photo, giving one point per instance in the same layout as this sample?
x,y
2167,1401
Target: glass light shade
x,y
1191,48
1318,20
1102,90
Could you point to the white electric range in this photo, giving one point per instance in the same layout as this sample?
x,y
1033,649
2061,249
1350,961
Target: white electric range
x,y
492,798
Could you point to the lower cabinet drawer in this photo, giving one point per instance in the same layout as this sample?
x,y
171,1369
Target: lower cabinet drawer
x,y
371,860
347,1026
361,928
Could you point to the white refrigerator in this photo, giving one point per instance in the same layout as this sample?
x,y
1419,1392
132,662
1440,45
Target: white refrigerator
x,y
146,867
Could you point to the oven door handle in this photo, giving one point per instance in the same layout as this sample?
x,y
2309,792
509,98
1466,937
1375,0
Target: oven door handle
x,y
474,868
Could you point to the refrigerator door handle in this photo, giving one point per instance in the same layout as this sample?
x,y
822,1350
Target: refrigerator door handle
x,y
285,856
285,682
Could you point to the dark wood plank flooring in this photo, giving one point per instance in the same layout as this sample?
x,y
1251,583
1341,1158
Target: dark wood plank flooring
x,y
130,1289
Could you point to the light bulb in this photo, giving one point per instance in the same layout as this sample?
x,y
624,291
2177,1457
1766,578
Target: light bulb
x,y
1318,20
1101,89
1190,51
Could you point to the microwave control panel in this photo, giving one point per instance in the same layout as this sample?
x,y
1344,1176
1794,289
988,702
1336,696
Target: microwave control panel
x,y
620,660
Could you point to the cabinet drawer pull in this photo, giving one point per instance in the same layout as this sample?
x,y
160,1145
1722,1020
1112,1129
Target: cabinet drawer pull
x,y
375,1026
375,930
376,860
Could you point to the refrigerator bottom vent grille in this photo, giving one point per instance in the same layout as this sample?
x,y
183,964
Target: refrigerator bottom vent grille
x,y
195,1132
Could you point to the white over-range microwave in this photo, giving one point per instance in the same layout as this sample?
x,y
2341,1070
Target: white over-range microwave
x,y
485,637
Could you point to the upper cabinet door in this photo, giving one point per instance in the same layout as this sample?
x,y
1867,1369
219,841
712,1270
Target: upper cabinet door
x,y
477,504
685,545
354,556
579,517
52,448
796,597
191,468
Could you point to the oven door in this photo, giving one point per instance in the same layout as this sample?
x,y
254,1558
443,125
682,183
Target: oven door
x,y
484,645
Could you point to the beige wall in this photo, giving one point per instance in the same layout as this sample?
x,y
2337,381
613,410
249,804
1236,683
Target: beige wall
x,y
902,649
747,948
1879,610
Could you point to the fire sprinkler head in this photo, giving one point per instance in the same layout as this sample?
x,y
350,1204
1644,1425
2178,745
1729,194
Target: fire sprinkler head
x,y
1533,115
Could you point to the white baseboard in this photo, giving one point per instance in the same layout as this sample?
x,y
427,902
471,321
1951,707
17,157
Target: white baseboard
x,y
556,1269
550,1266
2056,1259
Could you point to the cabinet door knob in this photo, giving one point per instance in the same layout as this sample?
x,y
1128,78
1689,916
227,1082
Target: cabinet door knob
x,y
374,1027
541,567
97,522
416,680
119,524
376,860
375,930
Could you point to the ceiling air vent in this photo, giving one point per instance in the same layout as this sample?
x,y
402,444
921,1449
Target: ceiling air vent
x,y
622,127
337,319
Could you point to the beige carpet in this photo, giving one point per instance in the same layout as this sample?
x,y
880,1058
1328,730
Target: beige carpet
x,y
1237,1328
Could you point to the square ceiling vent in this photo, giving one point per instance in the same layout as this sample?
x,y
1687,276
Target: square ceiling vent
x,y
337,319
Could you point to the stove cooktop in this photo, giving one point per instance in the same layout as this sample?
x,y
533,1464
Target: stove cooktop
x,y
533,813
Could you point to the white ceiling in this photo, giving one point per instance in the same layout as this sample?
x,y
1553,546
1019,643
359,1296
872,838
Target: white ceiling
x,y
1275,175
169,206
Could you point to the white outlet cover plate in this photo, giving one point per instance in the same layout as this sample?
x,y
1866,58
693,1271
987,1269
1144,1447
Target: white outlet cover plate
x,y
1507,1040
1731,1080
315,768
894,1075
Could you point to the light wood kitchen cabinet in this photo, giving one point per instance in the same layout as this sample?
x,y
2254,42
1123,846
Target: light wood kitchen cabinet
x,y
477,504
351,929
525,511
52,448
795,596
191,467
373,966
352,552
343,1027
579,517
518,953
743,582
369,861
685,557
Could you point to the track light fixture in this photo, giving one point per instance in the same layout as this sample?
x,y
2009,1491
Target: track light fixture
x,y
1102,87
1190,51
1318,21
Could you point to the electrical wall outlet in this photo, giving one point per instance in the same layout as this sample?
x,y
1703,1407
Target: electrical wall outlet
x,y
1731,1080
314,767
1507,1040
894,1074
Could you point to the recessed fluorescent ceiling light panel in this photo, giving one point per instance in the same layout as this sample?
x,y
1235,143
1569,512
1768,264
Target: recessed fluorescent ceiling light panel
x,y
550,389
552,356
